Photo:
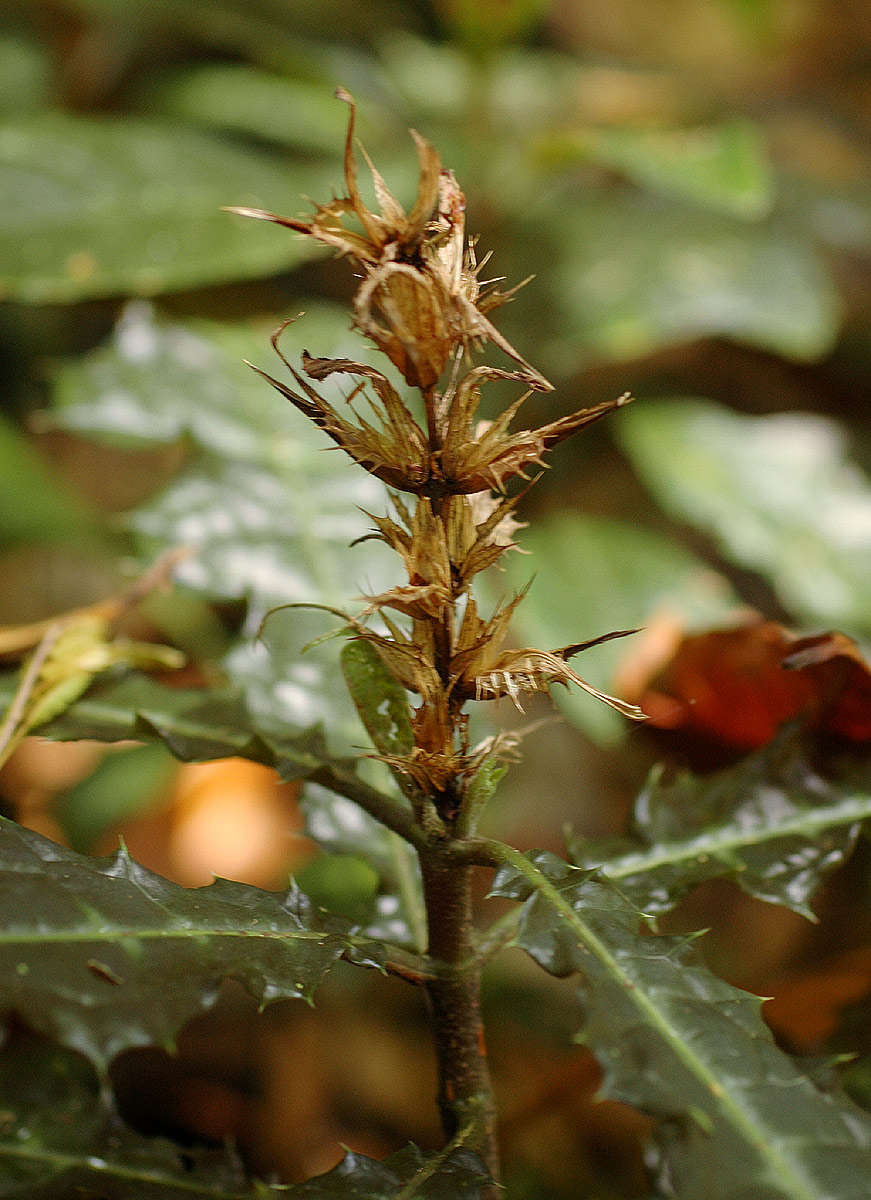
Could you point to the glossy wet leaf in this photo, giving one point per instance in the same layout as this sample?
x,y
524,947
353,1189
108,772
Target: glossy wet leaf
x,y
593,575
89,1152
770,823
737,1117
634,275
195,725
102,954
58,1141
268,513
104,206
780,493
458,1175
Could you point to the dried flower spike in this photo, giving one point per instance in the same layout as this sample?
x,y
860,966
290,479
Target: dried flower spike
x,y
421,303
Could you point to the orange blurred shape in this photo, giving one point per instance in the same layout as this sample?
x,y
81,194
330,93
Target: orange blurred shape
x,y
235,819
806,1009
739,685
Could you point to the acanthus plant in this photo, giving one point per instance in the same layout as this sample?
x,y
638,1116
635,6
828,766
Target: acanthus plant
x,y
422,303
739,1118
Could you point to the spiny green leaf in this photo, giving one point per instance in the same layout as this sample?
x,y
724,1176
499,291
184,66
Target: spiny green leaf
x,y
59,1142
98,207
780,493
406,1175
194,725
738,1117
102,954
771,823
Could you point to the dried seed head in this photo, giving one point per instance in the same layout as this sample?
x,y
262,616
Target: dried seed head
x,y
421,302
420,297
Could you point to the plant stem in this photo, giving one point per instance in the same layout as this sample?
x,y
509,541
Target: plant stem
x,y
465,1092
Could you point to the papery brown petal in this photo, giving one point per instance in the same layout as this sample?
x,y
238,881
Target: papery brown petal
x,y
370,223
411,442
458,435
518,671
324,226
558,431
375,453
427,191
401,661
391,210
388,531
452,253
420,601
416,336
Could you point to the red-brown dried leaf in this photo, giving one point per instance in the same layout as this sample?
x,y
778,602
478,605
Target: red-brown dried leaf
x,y
738,686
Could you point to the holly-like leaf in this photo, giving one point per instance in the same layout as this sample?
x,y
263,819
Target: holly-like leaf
x,y
737,1116
102,954
749,482
59,1142
407,1175
99,207
771,823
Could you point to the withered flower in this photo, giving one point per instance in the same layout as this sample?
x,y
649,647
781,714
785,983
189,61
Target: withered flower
x,y
420,297
421,302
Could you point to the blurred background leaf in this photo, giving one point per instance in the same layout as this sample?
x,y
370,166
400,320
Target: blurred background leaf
x,y
599,575
781,494
99,208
